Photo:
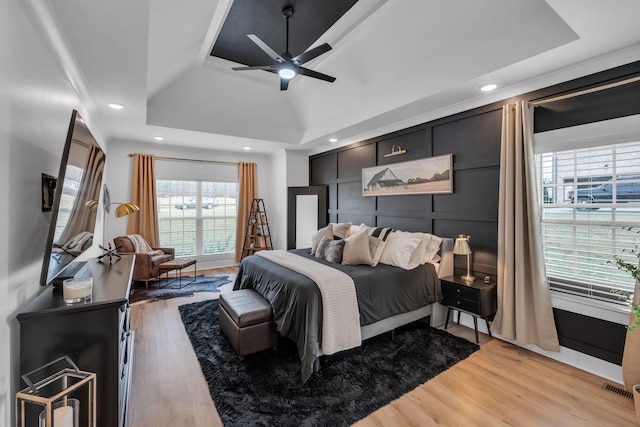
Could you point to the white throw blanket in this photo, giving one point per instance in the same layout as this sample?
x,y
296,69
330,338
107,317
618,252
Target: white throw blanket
x,y
141,246
78,242
340,315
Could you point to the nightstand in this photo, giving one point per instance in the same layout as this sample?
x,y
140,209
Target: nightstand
x,y
477,299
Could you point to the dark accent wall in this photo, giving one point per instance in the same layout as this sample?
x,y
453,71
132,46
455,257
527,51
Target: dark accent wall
x,y
608,104
598,338
473,137
474,141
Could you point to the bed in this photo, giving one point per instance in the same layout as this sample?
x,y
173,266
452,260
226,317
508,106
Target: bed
x,y
387,297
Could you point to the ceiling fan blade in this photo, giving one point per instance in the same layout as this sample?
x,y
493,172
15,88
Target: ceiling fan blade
x,y
284,83
311,54
256,67
316,75
262,45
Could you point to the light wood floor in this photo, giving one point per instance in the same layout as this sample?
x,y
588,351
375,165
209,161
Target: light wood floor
x,y
499,385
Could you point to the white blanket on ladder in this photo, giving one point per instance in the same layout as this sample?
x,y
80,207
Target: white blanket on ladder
x,y
340,315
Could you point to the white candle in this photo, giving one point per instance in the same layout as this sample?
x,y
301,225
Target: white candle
x,y
63,416
77,290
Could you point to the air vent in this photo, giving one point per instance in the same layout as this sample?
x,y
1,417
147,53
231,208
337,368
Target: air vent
x,y
617,390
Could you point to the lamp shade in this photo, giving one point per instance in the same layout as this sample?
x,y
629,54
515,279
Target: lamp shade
x,y
461,245
126,209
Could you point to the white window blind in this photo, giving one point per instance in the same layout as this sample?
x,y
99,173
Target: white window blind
x,y
590,199
197,217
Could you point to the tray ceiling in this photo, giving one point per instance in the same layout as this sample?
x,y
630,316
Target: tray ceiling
x,y
397,63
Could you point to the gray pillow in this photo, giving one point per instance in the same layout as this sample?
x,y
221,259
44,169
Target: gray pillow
x,y
318,235
330,250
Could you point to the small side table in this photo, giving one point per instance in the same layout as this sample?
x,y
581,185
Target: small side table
x,y
177,264
477,299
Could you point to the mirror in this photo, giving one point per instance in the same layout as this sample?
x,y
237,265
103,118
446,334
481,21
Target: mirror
x,y
306,213
72,224
306,219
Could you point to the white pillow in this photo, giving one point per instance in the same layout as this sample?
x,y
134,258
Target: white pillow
x,y
377,240
403,251
353,229
431,244
356,250
432,249
318,235
365,228
341,229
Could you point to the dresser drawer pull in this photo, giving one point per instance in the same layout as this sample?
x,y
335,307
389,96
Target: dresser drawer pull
x,y
457,290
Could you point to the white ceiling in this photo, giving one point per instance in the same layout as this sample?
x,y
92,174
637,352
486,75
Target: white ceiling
x,y
397,63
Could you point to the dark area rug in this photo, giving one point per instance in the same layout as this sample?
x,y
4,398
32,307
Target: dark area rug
x,y
202,284
265,388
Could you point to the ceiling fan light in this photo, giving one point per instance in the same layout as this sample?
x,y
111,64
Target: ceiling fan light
x,y
286,73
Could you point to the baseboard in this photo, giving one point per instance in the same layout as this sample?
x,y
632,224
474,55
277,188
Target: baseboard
x,y
593,365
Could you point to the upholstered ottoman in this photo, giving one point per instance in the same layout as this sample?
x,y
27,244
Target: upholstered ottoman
x,y
246,319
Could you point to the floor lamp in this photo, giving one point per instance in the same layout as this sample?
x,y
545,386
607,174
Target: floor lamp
x,y
461,247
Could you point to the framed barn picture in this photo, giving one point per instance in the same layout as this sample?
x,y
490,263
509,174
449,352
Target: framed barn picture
x,y
432,175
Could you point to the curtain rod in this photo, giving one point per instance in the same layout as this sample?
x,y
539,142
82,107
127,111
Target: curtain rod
x,y
181,159
584,92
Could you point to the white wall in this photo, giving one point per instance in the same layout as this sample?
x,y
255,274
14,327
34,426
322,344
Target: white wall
x,y
277,206
293,171
36,100
119,168
297,169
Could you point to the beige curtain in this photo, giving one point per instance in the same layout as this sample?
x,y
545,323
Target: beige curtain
x,y
143,194
81,218
247,192
524,301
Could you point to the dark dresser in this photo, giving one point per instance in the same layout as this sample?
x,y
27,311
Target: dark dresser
x,y
95,335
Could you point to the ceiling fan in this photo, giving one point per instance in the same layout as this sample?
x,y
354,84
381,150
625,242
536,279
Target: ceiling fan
x,y
288,66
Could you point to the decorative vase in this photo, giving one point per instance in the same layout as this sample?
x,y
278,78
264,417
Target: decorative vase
x,y
631,354
636,401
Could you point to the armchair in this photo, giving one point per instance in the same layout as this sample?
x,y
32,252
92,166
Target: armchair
x,y
147,264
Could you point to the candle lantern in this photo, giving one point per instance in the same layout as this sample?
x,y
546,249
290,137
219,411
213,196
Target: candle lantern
x,y
64,398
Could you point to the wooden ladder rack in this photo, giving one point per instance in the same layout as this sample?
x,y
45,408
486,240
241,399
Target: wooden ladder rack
x,y
257,236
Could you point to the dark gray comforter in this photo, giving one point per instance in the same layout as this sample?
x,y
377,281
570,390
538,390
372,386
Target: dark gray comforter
x,y
382,291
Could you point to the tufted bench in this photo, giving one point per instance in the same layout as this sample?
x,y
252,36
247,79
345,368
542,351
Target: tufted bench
x,y
246,319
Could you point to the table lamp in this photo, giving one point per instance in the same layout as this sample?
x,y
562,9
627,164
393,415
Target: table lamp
x,y
461,247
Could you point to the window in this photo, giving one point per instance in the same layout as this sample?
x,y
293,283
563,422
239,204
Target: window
x,y
590,199
72,178
197,217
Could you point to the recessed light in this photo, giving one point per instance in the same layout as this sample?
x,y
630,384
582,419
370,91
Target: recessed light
x,y
333,139
159,138
247,148
115,105
489,87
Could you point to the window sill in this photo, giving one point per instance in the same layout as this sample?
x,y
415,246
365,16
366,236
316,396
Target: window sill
x,y
210,257
597,309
